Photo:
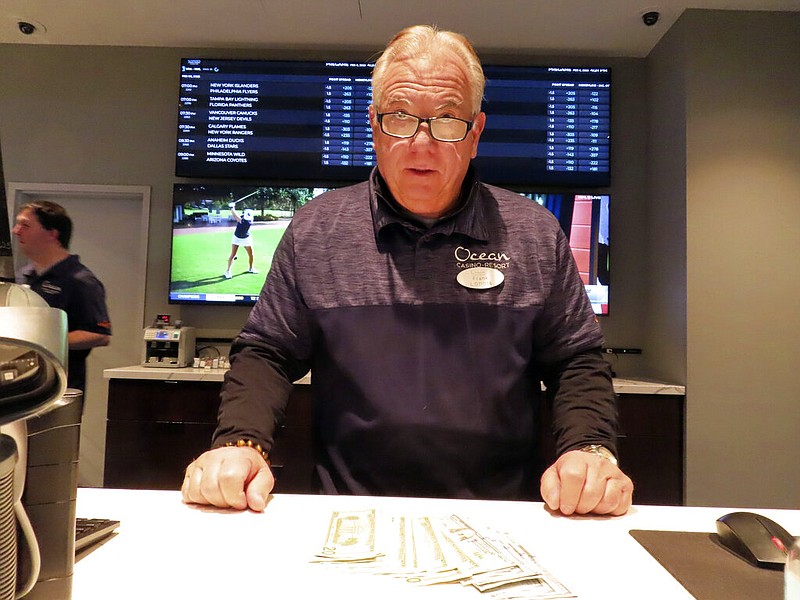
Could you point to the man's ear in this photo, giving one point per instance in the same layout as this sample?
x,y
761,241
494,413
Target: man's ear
x,y
53,234
373,120
477,128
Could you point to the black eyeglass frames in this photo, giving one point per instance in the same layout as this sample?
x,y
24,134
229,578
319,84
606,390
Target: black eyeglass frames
x,y
443,129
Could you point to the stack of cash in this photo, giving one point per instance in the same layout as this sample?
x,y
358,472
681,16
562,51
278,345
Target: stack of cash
x,y
427,550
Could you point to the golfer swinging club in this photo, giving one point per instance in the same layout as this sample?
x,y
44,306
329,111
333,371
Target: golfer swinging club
x,y
241,237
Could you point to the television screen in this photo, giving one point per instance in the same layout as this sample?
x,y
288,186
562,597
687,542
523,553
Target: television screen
x,y
207,267
546,125
210,263
585,221
304,121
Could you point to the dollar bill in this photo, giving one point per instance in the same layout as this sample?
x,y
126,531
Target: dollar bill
x,y
351,537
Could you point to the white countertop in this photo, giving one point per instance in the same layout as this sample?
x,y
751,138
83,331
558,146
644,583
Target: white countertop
x,y
166,549
173,374
647,386
621,385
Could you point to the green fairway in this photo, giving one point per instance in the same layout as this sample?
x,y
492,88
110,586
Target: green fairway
x,y
200,257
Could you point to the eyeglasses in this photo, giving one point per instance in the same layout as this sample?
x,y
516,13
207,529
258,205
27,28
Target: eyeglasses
x,y
443,129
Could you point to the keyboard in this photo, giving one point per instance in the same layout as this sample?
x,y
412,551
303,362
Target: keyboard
x,y
90,531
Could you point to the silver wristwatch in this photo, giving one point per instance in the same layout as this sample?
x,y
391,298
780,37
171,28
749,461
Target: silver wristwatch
x,y
600,451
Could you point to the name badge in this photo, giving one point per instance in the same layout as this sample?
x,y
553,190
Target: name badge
x,y
480,278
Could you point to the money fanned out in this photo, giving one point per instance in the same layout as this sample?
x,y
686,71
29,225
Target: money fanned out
x,y
427,550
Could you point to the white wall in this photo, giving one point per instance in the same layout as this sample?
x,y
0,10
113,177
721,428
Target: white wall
x,y
666,210
736,76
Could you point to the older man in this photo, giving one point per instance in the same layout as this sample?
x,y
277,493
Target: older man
x,y
429,308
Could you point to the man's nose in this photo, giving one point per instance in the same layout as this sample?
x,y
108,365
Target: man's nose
x,y
423,134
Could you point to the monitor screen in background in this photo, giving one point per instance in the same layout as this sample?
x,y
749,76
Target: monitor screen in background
x,y
584,218
307,122
202,228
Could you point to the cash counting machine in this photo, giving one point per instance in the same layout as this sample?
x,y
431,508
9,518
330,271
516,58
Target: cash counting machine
x,y
168,345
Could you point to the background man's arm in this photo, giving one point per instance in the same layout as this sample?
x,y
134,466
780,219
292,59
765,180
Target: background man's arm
x,y
84,340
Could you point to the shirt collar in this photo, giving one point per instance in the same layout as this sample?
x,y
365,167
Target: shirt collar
x,y
66,263
468,219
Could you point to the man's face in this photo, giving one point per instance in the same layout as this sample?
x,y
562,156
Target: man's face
x,y
423,174
32,237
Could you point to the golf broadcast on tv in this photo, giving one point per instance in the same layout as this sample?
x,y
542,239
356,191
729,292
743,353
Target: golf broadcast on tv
x,y
224,237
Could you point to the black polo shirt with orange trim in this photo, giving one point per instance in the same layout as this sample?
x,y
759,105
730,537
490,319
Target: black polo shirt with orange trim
x,y
72,287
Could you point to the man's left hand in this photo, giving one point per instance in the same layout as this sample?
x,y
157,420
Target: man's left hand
x,y
581,483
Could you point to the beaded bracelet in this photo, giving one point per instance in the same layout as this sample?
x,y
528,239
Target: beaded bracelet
x,y
242,443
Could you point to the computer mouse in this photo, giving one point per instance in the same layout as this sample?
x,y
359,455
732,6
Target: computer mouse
x,y
755,538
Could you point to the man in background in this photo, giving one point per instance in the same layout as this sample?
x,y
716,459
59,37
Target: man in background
x,y
43,230
429,308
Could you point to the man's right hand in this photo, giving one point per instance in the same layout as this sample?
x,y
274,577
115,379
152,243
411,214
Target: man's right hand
x,y
229,477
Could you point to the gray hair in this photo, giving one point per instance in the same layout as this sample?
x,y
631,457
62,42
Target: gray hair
x,y
421,40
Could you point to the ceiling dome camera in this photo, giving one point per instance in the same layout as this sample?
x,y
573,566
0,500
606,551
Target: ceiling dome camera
x,y
650,18
26,28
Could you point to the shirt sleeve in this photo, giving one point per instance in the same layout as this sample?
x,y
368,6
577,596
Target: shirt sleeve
x,y
88,310
567,325
271,352
584,402
577,377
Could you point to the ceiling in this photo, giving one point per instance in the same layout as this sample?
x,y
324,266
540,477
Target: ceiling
x,y
567,27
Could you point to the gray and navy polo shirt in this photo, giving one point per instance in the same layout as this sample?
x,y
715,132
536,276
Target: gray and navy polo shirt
x,y
422,385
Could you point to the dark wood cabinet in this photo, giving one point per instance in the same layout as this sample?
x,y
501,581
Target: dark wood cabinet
x,y
651,446
155,428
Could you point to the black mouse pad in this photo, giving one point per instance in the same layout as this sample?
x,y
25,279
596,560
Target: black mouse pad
x,y
708,570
